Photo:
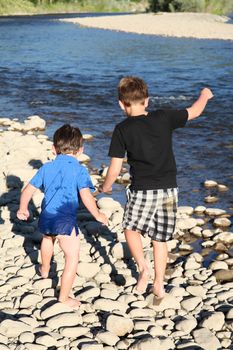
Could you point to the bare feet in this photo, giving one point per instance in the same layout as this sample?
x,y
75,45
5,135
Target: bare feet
x,y
158,292
73,303
43,272
142,281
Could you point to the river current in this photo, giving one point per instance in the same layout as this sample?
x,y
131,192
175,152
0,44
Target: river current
x,y
68,74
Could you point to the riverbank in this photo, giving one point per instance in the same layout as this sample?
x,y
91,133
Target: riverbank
x,y
196,312
187,25
25,7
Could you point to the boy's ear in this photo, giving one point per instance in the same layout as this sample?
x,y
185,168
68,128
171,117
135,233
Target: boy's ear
x,y
146,102
54,150
121,104
80,151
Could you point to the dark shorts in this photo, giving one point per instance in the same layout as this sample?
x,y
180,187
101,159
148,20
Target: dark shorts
x,y
152,212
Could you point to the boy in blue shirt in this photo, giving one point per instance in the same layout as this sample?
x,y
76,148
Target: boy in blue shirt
x,y
62,181
151,205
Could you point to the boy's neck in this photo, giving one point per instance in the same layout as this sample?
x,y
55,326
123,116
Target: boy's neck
x,y
135,110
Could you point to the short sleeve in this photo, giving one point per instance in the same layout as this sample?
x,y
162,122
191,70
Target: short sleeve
x,y
84,180
117,145
37,180
177,118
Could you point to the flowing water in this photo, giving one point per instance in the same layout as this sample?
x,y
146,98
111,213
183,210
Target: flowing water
x,y
68,74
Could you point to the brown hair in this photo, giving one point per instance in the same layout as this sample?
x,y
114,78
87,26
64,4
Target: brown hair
x,y
132,90
67,139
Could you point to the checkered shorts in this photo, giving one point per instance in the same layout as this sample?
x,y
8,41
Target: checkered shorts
x,y
152,212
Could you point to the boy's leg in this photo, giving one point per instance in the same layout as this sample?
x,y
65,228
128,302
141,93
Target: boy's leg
x,y
160,262
70,246
46,251
134,242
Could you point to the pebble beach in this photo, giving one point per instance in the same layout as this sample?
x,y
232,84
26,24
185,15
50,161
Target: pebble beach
x,y
196,313
186,25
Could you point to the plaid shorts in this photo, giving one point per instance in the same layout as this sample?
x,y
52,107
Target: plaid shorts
x,y
152,212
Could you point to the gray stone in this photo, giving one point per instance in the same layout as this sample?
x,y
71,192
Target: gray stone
x,y
118,325
206,339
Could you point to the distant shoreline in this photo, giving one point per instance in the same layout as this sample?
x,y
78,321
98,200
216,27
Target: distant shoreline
x,y
186,25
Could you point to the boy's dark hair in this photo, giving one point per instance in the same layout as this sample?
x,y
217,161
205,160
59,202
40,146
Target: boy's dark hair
x,y
132,90
67,139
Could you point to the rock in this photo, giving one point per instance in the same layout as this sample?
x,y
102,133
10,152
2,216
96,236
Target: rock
x,y
229,315
222,222
206,339
224,275
108,203
211,199
186,223
147,344
200,209
108,338
118,325
88,270
196,291
47,340
87,137
224,237
185,210
120,251
164,304
54,310
213,321
30,300
91,346
190,303
43,283
83,158
73,332
109,305
214,211
64,320
210,183
86,293
30,346
218,265
13,328
222,188
186,325
26,337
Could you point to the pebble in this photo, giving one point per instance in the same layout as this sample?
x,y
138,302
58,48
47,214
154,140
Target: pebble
x,y
119,325
206,339
195,313
108,338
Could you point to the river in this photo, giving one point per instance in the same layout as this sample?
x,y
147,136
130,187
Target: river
x,y
69,74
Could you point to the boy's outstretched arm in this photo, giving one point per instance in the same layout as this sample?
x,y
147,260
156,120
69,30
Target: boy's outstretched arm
x,y
199,105
90,203
26,195
112,173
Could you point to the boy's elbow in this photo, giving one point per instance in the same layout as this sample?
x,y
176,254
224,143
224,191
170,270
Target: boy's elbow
x,y
193,113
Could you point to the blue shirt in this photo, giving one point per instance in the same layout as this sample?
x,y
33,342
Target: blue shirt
x,y
60,180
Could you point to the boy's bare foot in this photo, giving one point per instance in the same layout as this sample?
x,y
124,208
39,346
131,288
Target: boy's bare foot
x,y
142,281
73,303
43,272
158,292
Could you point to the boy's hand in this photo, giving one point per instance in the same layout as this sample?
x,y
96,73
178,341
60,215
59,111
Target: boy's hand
x,y
102,218
23,214
101,189
207,93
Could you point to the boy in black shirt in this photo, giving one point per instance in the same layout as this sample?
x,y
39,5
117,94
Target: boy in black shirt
x,y
152,196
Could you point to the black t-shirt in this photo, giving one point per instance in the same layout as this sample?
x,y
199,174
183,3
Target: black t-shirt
x,y
147,140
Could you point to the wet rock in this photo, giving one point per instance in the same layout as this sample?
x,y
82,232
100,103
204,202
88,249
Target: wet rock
x,y
210,183
222,222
